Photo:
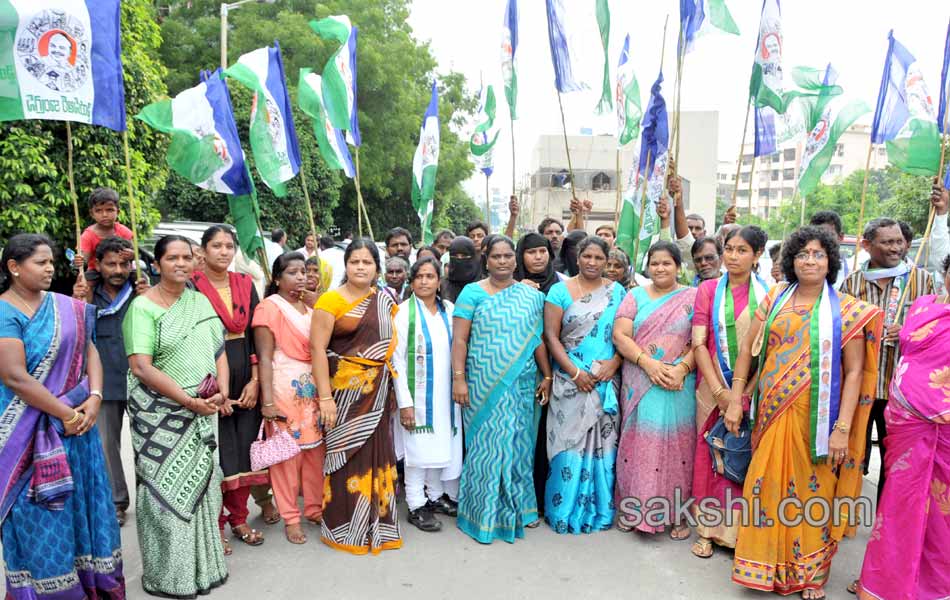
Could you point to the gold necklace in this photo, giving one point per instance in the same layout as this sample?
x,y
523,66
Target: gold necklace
x,y
29,309
164,298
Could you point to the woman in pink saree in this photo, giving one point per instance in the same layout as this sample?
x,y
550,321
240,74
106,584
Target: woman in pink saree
x,y
907,556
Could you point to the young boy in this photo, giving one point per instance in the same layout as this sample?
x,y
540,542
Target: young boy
x,y
104,209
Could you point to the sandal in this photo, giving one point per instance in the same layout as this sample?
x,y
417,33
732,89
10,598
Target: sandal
x,y
316,520
853,586
270,513
703,548
251,537
228,550
680,533
533,524
295,534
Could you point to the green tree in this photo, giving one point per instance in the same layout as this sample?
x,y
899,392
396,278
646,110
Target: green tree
x,y
394,76
34,189
454,211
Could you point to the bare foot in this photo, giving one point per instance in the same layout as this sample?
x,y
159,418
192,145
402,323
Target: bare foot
x,y
295,534
817,594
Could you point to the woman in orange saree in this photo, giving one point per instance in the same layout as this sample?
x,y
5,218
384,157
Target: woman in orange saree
x,y
817,350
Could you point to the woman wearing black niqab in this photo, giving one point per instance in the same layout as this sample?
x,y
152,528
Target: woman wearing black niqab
x,y
464,267
528,270
568,256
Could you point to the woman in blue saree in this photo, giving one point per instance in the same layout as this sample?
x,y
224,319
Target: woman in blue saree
x,y
581,431
60,535
496,355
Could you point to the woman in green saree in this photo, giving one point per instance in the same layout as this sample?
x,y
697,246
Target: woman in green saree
x,y
174,340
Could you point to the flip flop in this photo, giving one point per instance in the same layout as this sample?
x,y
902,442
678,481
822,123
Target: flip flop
x,y
702,548
226,545
270,515
302,539
853,586
678,534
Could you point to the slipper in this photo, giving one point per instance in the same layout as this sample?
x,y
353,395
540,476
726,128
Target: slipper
x,y
533,524
251,537
270,513
300,538
678,534
853,586
316,520
226,545
702,548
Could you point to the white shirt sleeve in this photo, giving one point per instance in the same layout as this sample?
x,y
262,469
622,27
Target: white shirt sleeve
x,y
939,245
403,397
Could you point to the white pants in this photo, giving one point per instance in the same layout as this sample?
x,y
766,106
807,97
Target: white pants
x,y
427,482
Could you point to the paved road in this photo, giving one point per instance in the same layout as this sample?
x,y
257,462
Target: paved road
x,y
449,564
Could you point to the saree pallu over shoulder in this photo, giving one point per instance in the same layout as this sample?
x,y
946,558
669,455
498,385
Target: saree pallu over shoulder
x,y
359,492
174,447
359,354
31,450
60,536
506,342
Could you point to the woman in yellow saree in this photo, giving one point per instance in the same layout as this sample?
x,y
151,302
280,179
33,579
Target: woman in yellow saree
x,y
817,350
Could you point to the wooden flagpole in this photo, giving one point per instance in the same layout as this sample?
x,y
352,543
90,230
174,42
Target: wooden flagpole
x,y
751,181
619,192
864,192
360,205
72,185
133,210
487,205
643,202
680,62
745,129
650,171
513,190
567,148
310,219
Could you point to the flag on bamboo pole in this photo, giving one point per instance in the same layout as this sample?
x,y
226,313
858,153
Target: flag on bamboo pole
x,y
904,118
483,142
699,17
629,110
339,75
652,173
509,49
822,141
205,148
424,166
272,134
944,84
602,10
813,107
60,60
330,140
572,26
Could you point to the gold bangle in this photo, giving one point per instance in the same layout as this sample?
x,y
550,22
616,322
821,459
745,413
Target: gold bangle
x,y
842,427
77,416
548,377
576,375
718,392
459,373
326,398
735,379
636,361
269,405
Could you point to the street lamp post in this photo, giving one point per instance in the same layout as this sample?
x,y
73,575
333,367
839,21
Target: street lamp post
x,y
225,7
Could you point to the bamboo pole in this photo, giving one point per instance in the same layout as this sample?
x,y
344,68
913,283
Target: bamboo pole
x,y
680,62
487,205
72,185
619,193
133,219
643,202
513,186
801,221
864,192
312,222
745,129
567,149
751,181
360,205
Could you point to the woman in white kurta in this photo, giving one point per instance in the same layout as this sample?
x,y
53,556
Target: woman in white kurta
x,y
430,439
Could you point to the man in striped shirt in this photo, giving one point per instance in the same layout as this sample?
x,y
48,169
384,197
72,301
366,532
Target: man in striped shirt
x,y
882,281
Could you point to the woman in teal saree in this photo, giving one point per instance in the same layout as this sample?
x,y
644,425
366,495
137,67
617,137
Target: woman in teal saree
x,y
496,355
174,340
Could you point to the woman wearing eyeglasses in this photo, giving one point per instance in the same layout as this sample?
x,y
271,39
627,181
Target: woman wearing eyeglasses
x,y
816,352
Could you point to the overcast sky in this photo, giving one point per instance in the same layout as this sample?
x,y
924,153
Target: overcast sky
x,y
465,36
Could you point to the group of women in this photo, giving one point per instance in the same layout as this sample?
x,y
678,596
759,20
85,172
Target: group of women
x,y
578,402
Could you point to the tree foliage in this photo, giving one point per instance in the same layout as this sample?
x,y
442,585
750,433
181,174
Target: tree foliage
x,y
394,77
34,188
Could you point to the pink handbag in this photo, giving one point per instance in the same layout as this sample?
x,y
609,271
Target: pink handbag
x,y
278,447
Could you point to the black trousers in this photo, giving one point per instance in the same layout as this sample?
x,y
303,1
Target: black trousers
x,y
541,465
876,418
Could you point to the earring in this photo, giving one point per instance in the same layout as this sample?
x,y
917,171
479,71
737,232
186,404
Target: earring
x,y
16,274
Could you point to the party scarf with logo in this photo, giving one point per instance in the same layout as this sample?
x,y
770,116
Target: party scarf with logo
x,y
824,331
418,359
724,321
